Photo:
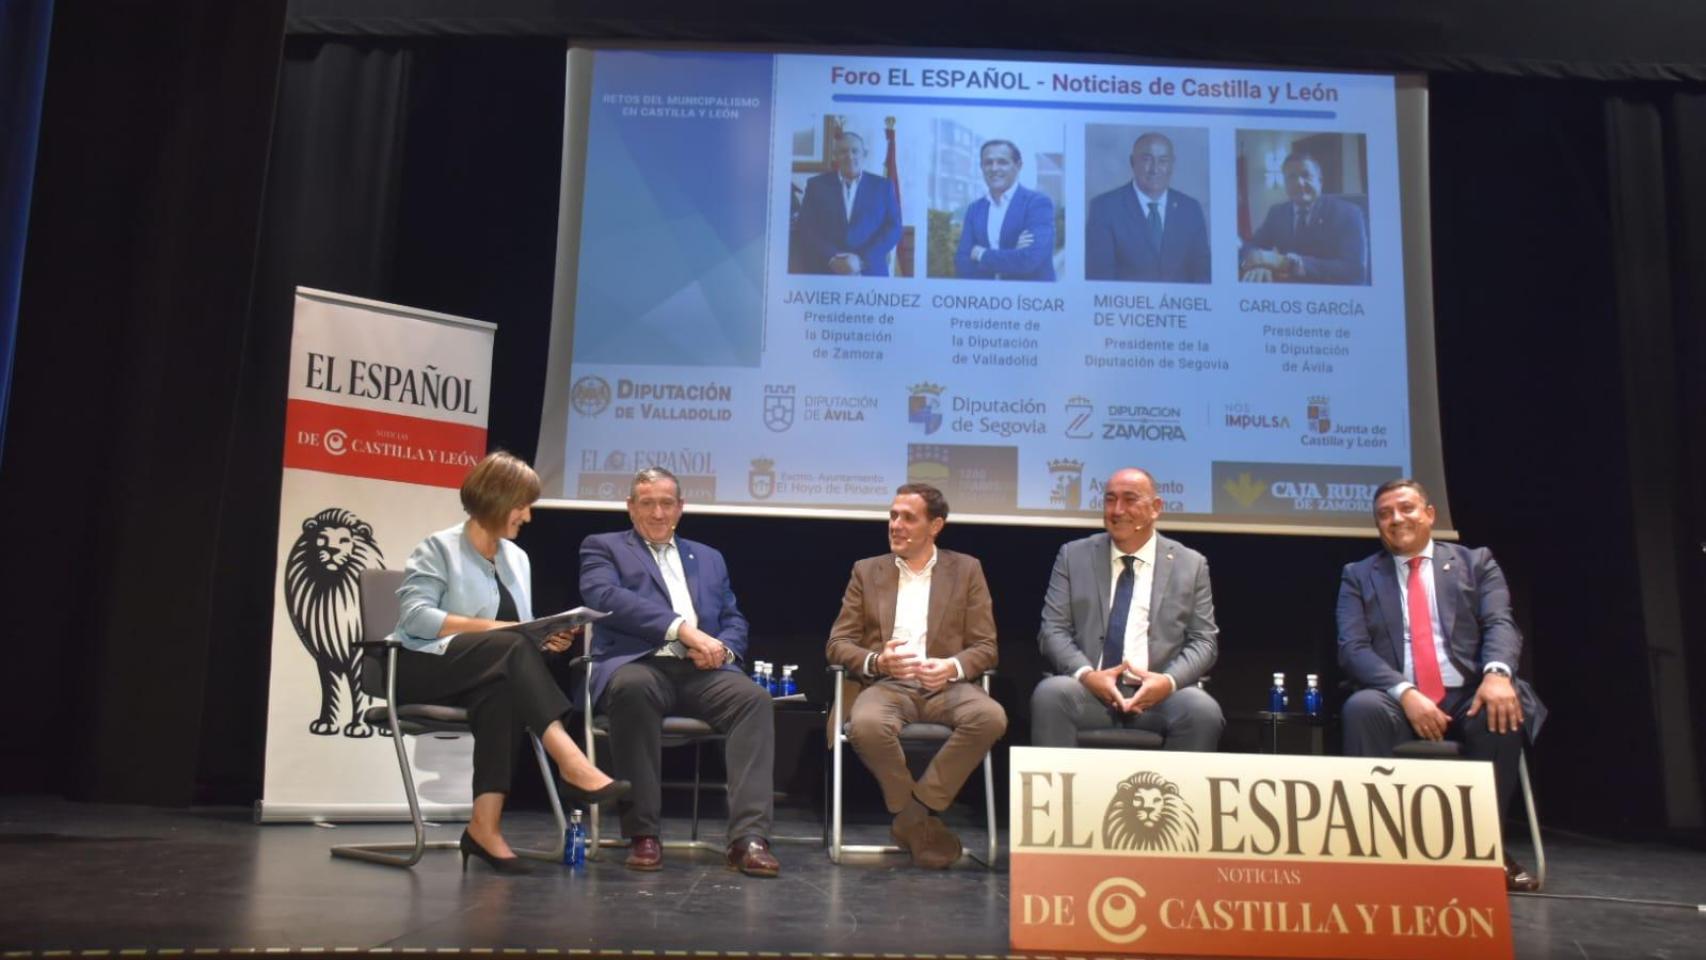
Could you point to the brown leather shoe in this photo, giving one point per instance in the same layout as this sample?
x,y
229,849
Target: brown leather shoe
x,y
906,823
644,853
1517,877
751,856
933,846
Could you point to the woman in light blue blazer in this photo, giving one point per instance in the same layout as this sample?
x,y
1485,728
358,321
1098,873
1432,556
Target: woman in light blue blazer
x,y
463,587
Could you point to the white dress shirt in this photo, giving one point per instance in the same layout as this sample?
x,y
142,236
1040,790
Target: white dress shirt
x,y
1144,200
998,211
849,192
1448,672
1137,620
912,614
668,557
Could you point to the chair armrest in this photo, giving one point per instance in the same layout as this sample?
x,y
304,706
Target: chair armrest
x,y
378,645
835,668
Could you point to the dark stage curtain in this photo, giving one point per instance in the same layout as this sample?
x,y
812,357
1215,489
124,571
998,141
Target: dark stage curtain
x,y
24,29
1593,39
134,309
423,174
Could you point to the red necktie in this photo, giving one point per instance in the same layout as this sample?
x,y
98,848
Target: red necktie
x,y
1422,636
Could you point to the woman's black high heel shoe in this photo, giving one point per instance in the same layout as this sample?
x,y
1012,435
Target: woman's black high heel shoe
x,y
469,845
609,793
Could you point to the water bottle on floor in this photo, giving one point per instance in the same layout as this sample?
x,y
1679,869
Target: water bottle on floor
x,y
574,845
1277,700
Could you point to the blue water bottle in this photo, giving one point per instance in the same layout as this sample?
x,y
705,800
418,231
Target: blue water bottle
x,y
758,673
774,681
1312,695
574,842
790,686
1277,700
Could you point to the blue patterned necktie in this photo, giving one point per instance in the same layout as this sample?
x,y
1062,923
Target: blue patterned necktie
x,y
1113,648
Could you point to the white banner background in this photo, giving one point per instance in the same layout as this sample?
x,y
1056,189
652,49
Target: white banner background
x,y
366,436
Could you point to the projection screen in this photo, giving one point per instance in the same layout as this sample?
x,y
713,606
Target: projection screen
x,y
800,279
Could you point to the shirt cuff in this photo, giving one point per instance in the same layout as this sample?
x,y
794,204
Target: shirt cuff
x,y
1397,689
1080,672
1499,665
959,669
674,631
870,668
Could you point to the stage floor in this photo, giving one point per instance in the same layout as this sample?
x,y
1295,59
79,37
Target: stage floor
x,y
92,880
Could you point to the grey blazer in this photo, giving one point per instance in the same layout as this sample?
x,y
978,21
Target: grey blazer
x,y
1183,639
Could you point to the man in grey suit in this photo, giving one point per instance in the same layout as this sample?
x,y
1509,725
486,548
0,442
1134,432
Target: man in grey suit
x,y
1128,640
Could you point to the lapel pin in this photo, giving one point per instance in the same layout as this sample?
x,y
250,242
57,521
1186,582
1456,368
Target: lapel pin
x,y
1447,565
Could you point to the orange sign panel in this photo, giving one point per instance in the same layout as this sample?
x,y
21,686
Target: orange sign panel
x,y
1240,855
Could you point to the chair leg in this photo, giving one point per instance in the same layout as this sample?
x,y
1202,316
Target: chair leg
x,y
555,852
835,795
1533,819
392,854
698,756
989,810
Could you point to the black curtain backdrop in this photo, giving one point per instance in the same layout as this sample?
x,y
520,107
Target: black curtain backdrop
x,y
1567,216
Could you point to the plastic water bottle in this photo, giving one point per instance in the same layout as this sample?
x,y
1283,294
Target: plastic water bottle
x,y
790,686
775,680
1277,700
574,842
1312,695
758,673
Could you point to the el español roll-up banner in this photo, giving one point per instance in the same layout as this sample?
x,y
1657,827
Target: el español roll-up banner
x,y
385,414
1228,855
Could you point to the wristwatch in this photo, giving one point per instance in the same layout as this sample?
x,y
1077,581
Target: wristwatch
x,y
1499,669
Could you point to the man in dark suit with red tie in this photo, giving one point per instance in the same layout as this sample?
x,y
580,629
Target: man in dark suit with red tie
x,y
1426,636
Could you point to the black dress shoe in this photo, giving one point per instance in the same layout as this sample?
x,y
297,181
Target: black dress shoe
x,y
469,846
1517,877
609,793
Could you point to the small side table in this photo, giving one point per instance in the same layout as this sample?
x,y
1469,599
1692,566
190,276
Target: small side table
x,y
1271,722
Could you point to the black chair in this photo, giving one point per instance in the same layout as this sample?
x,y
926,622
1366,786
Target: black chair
x,y
677,732
379,612
1453,750
913,735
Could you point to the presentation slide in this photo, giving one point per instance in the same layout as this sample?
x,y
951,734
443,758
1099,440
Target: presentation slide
x,y
800,280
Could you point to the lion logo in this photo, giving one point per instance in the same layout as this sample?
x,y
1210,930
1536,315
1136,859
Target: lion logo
x,y
322,591
1148,813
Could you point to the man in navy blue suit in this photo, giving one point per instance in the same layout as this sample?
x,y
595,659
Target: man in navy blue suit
x,y
1144,230
849,219
1455,676
670,646
1008,233
1310,238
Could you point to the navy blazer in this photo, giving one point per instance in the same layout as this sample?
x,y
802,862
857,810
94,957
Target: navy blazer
x,y
825,230
1117,244
620,575
1474,614
1333,243
1031,211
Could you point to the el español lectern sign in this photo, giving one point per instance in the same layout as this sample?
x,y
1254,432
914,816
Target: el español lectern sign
x,y
1246,855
